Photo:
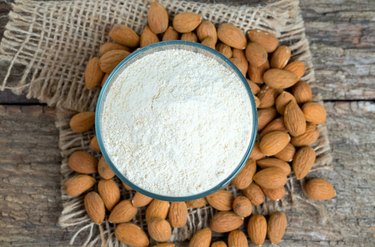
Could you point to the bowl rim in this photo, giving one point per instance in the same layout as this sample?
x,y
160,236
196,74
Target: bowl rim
x,y
118,69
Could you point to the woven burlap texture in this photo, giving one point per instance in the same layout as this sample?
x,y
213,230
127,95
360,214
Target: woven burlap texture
x,y
53,41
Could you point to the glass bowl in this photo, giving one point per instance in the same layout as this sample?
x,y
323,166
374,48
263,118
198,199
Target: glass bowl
x,y
174,44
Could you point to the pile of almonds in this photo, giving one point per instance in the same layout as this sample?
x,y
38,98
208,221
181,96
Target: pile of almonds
x,y
287,127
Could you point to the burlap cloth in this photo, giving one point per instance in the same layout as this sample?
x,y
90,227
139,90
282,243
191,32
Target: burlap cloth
x,y
52,41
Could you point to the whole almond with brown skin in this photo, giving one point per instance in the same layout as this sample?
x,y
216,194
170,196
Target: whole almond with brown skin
x,y
159,229
202,238
303,161
76,185
157,17
82,162
221,200
109,46
273,142
186,22
254,193
140,200
170,34
282,100
256,154
207,29
157,209
276,124
267,96
124,35
296,67
94,207
94,145
287,153
256,54
265,39
224,49
319,189
256,73
82,121
274,162
302,92
257,229
280,57
308,138
109,192
210,42
178,214
197,203
131,234
276,227
265,116
238,53
104,170
270,178
314,113
237,238
147,37
242,66
294,119
242,206
231,35
275,194
253,86
111,59
279,79
93,73
225,222
245,176
219,244
190,36
123,212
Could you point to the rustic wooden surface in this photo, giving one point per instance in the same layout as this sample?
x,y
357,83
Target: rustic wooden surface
x,y
342,36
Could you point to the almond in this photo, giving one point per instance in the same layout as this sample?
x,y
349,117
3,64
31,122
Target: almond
x,y
109,46
296,67
303,161
265,116
219,244
94,207
231,35
104,79
270,178
94,145
82,162
245,176
240,54
93,73
104,170
267,96
210,42
82,122
254,193
241,65
237,238
202,238
287,153
224,49
207,29
276,227
308,138
257,101
178,214
242,206
140,200
256,73
221,200
190,36
281,57
165,245
273,142
170,34
275,194
111,59
109,192
159,229
131,234
253,86
265,39
257,229
274,162
314,113
157,209
279,79
123,212
256,154
197,203
302,92
148,37
319,189
124,35
76,185
157,17
256,54
276,124
186,22
294,119
226,222
282,100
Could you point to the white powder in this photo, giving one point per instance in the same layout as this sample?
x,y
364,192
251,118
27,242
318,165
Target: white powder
x,y
176,122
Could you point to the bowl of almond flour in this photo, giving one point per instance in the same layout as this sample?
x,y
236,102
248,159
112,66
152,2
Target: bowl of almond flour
x,y
176,120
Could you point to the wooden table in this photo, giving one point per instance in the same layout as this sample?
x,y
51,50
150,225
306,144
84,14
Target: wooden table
x,y
342,37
